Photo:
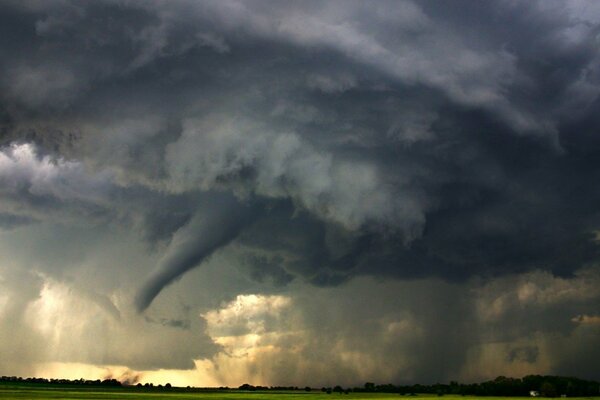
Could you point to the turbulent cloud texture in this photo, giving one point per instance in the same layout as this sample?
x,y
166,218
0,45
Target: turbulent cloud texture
x,y
263,190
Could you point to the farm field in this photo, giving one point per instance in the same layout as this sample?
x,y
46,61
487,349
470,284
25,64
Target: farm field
x,y
76,393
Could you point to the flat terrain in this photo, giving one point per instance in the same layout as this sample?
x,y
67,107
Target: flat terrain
x,y
61,392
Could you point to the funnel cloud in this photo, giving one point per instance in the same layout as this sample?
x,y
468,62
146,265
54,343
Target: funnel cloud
x,y
219,221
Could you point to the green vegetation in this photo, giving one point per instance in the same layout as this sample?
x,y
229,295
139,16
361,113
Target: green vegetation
x,y
498,389
42,392
544,385
24,390
133,394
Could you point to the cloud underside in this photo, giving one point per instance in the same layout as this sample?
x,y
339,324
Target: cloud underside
x,y
299,153
396,331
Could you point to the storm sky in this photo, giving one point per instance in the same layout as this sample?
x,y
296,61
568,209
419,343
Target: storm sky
x,y
299,193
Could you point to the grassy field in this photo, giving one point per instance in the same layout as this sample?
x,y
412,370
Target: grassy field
x,y
26,391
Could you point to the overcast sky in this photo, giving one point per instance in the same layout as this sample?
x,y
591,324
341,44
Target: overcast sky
x,y
299,193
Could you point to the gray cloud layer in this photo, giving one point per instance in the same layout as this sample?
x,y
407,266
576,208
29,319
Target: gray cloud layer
x,y
315,142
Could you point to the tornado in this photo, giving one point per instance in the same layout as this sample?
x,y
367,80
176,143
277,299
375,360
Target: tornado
x,y
215,224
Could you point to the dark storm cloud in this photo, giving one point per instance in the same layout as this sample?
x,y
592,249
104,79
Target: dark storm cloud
x,y
412,331
526,353
396,139
8,221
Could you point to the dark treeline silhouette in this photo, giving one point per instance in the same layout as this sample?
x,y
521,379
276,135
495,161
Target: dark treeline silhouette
x,y
546,386
542,385
84,382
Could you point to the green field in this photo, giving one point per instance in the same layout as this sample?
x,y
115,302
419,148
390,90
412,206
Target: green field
x,y
26,391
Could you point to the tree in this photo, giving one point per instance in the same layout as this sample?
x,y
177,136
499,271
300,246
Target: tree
x,y
548,389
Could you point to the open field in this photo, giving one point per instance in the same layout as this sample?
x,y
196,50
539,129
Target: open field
x,y
76,393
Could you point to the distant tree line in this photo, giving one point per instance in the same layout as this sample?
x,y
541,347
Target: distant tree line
x,y
252,388
544,385
84,382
